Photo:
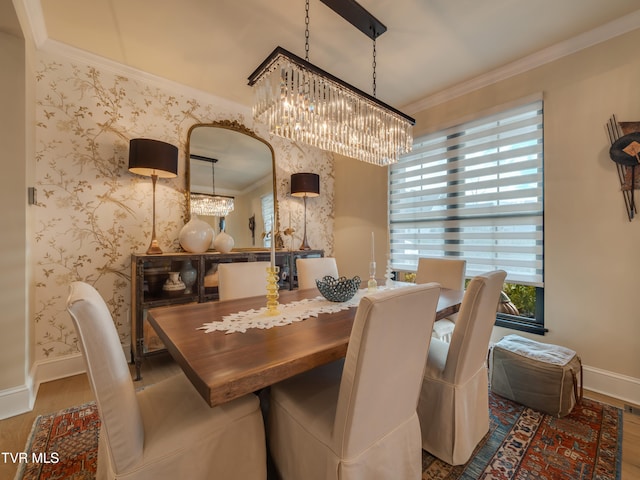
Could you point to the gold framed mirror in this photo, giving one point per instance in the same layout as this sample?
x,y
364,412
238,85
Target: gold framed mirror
x,y
229,160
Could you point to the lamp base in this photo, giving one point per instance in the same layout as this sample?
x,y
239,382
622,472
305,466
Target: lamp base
x,y
154,248
304,245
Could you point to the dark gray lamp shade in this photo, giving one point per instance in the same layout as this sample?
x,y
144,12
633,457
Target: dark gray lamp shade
x,y
305,184
152,157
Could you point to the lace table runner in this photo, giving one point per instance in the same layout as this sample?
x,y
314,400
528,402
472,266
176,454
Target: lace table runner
x,y
289,313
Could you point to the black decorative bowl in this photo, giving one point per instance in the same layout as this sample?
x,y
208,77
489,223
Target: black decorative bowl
x,y
338,289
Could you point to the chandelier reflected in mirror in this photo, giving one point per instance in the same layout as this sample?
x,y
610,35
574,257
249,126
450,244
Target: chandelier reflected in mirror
x,y
210,204
302,102
213,206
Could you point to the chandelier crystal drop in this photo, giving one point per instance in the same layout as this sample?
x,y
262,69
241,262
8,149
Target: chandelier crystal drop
x,y
211,205
301,102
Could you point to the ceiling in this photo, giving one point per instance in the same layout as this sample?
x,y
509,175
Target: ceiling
x,y
429,45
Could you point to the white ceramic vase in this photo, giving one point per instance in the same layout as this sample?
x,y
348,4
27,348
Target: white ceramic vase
x,y
196,235
174,285
223,242
189,275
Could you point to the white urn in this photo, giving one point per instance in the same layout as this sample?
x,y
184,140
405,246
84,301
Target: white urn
x,y
223,242
196,235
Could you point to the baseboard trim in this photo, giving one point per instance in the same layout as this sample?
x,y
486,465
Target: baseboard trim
x,y
21,399
18,400
613,384
62,367
15,401
56,368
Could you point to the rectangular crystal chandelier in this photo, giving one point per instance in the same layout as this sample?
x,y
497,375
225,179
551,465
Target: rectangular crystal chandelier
x,y
302,102
211,205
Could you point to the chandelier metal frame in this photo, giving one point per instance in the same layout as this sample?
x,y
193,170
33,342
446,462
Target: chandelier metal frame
x,y
303,102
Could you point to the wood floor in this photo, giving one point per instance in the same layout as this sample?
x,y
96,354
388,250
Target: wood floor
x,y
75,390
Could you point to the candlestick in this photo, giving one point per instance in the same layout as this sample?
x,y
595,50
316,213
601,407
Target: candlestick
x,y
389,273
272,290
273,244
372,285
373,253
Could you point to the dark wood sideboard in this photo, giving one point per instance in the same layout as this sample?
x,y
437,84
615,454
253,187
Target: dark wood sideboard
x,y
150,272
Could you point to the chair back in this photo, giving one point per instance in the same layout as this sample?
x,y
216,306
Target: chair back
x,y
310,269
448,272
108,374
384,366
242,279
472,333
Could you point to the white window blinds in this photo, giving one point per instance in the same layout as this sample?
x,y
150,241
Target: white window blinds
x,y
473,191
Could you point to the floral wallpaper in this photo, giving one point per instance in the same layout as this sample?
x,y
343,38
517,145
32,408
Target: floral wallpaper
x,y
92,213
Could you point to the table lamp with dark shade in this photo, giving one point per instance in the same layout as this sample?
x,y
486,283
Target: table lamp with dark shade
x,y
155,159
305,185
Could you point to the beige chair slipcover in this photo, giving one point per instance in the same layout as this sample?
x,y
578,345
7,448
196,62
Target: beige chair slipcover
x,y
360,422
165,431
310,269
242,279
454,401
449,273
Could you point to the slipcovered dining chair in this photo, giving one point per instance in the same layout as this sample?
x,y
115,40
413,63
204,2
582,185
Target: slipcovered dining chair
x,y
242,279
356,418
449,273
454,400
310,269
166,430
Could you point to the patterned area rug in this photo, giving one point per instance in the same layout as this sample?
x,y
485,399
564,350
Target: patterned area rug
x,y
63,445
525,444
521,444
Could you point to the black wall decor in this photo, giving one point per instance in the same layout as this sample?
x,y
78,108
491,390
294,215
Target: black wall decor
x,y
625,152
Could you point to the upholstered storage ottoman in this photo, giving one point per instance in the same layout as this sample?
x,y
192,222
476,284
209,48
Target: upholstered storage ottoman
x,y
541,376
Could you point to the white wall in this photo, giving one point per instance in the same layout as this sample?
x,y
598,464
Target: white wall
x,y
14,340
361,208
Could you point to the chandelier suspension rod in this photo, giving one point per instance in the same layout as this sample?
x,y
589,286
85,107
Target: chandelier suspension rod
x,y
358,16
212,160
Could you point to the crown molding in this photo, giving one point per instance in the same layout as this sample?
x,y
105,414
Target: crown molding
x,y
598,35
32,11
31,20
82,56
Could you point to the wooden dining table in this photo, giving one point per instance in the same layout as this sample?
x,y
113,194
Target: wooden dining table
x,y
223,366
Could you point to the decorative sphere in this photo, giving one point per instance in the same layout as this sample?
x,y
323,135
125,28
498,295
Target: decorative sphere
x,y
223,242
196,235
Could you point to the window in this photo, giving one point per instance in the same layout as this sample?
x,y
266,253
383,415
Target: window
x,y
476,191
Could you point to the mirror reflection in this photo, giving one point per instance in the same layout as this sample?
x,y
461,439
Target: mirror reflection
x,y
230,161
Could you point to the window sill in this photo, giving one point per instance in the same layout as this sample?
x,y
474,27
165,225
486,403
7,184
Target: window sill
x,y
515,323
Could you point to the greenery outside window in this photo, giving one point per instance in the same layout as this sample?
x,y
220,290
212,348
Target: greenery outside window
x,y
475,191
